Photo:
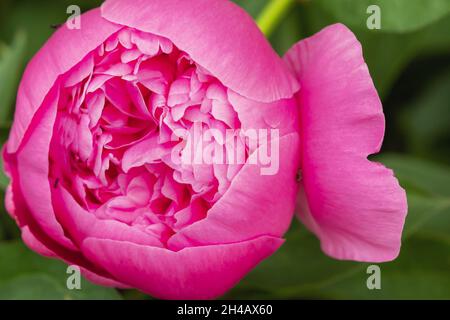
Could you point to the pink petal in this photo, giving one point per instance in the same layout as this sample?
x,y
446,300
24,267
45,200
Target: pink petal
x,y
34,244
80,72
9,202
281,115
95,104
145,151
37,239
85,138
81,224
179,92
193,273
64,50
138,99
224,112
194,212
254,204
32,163
356,207
218,35
146,43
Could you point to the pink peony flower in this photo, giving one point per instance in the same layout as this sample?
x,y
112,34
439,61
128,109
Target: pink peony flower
x,y
94,180
90,154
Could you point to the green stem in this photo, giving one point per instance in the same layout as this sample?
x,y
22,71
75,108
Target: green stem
x,y
272,14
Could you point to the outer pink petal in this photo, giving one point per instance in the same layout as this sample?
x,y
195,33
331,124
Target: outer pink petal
x,y
31,166
63,51
356,207
254,205
31,230
192,273
34,244
31,196
9,202
218,35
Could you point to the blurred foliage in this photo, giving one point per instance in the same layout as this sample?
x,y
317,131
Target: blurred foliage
x,y
425,124
397,15
36,18
11,63
409,59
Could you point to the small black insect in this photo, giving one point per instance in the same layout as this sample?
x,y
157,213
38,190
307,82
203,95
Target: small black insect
x,y
298,176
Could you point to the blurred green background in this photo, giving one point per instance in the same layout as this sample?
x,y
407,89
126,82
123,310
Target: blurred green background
x,y
409,59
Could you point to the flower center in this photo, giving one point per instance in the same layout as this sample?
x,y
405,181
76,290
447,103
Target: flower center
x,y
123,113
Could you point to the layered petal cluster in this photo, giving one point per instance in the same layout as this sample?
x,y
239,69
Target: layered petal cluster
x,y
100,153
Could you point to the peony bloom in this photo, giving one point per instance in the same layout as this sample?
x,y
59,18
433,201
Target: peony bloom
x,y
90,154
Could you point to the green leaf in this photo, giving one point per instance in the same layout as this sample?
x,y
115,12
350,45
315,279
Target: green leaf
x,y
387,54
396,15
426,120
287,33
4,180
8,227
253,7
428,216
26,275
419,175
11,64
293,270
36,18
133,294
28,287
420,272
